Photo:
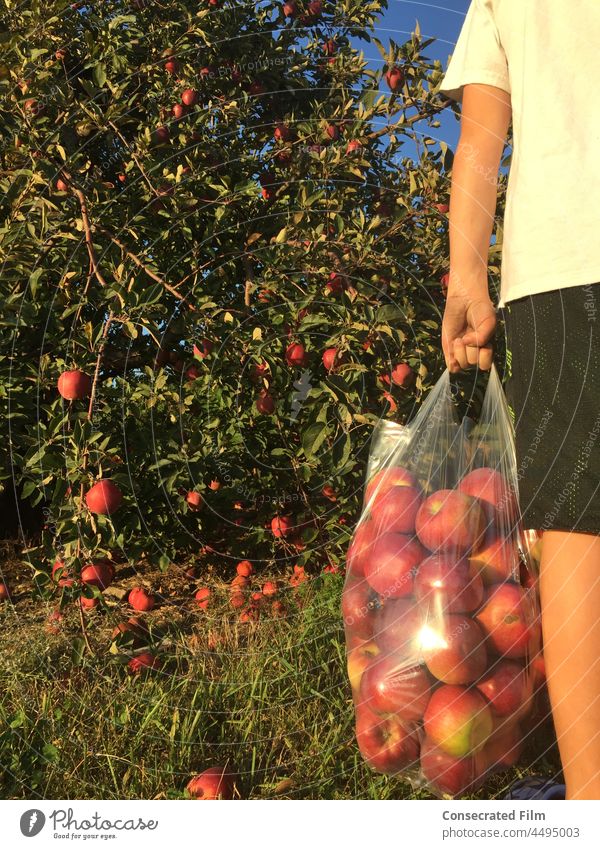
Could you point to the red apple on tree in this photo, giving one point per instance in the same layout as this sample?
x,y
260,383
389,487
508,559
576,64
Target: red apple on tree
x,y
390,686
454,649
189,97
508,620
336,283
290,9
100,574
447,775
387,745
451,521
217,782
394,77
203,348
402,375
282,526
446,585
178,111
265,403
331,358
390,566
295,355
104,498
62,575
353,146
282,132
194,501
458,720
171,65
74,385
161,135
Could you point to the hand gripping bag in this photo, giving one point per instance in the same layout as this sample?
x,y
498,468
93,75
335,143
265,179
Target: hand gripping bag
x,y
440,601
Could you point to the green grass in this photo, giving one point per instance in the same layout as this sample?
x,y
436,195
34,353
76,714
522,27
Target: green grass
x,y
271,700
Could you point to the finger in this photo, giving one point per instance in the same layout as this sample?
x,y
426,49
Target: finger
x,y
460,355
486,357
472,352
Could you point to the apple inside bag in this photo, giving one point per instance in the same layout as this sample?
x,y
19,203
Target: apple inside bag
x,y
440,604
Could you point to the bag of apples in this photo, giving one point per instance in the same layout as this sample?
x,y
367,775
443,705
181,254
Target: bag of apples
x,y
440,608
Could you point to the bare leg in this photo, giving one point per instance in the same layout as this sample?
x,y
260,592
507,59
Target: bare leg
x,y
570,598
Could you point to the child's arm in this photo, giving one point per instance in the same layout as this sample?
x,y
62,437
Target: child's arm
x,y
470,318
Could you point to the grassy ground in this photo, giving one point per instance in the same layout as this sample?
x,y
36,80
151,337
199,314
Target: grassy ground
x,y
271,698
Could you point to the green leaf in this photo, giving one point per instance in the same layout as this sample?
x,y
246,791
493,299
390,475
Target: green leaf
x,y
313,437
99,74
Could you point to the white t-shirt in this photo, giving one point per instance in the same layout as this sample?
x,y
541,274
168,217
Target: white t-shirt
x,y
546,54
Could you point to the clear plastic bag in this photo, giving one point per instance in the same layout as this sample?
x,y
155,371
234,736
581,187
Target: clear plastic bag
x,y
440,601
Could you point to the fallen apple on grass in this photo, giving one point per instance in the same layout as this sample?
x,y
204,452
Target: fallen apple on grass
x,y
4,593
140,599
144,662
387,745
202,597
458,720
244,568
216,782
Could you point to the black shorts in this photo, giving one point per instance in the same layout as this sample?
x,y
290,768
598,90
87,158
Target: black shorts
x,y
553,390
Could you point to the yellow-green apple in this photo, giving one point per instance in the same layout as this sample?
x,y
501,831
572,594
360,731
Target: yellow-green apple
x,y
502,750
493,489
445,584
394,77
194,501
99,574
202,597
388,685
216,782
497,560
451,521
396,626
358,605
357,660
295,355
74,385
454,649
388,478
104,498
458,720
387,744
505,687
447,775
508,620
395,511
389,567
140,599
143,662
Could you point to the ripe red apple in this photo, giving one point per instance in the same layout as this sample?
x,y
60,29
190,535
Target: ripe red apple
x,y
66,579
237,600
295,355
451,521
270,589
282,133
161,135
387,745
394,77
508,620
332,131
141,600
178,111
4,593
189,97
358,659
497,560
290,9
244,568
104,498
135,630
396,626
100,574
329,492
278,609
390,566
505,687
501,751
389,686
458,720
203,348
143,662
402,375
395,511
358,606
445,584
239,583
265,403
171,66
88,603
281,526
74,385
492,488
256,88
259,372
216,782
386,479
353,146
331,358
61,185
454,649
194,500
447,775
336,283
442,208
360,548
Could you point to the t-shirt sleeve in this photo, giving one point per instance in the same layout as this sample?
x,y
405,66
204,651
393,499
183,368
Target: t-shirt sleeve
x,y
478,56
